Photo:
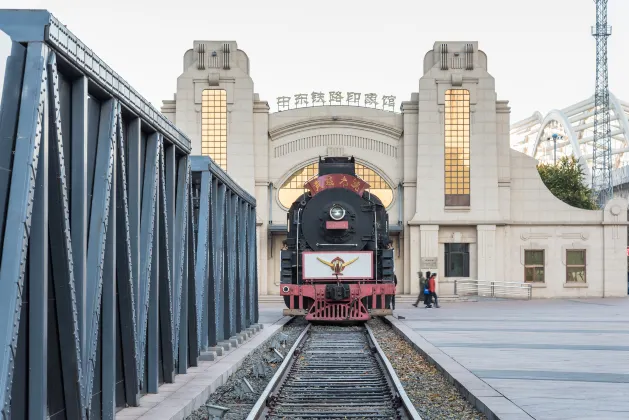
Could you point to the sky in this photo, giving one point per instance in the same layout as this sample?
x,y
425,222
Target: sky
x,y
540,52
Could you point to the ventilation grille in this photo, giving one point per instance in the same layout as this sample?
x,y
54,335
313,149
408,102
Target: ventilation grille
x,y
201,57
335,140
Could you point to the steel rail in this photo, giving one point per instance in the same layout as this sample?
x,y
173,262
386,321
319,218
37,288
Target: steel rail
x,y
260,405
397,384
330,379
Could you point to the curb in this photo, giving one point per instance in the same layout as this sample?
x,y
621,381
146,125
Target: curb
x,y
190,391
482,396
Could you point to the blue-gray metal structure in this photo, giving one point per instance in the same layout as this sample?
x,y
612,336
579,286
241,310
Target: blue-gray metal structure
x,y
602,144
122,257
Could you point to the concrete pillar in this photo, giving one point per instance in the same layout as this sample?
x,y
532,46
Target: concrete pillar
x,y
413,252
486,241
429,251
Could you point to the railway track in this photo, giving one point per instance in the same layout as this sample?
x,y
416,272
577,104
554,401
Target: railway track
x,y
334,373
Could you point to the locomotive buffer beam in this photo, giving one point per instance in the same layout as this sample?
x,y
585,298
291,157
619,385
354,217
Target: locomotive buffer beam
x,y
336,292
318,244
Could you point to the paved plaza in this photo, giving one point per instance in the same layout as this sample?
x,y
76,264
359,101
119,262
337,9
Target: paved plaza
x,y
554,359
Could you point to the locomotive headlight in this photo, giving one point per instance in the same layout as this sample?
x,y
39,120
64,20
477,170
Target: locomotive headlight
x,y
337,212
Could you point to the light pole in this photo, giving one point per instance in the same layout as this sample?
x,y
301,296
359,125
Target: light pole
x,y
554,137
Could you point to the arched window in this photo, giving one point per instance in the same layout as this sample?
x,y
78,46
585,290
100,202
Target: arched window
x,y
457,147
214,126
294,185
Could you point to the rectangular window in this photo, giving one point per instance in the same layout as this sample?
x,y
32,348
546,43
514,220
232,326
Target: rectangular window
x,y
214,126
457,260
575,266
457,147
534,265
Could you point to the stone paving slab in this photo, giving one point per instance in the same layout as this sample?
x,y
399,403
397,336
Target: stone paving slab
x,y
541,359
189,392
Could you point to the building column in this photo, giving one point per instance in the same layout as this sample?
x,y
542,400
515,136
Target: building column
x,y
261,235
411,285
429,253
486,245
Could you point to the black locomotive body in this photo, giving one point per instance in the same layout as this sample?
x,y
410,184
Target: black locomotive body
x,y
337,263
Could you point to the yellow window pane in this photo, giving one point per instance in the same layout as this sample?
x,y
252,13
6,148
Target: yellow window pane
x,y
293,187
213,116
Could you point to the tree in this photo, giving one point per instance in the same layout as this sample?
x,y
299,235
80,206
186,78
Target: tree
x,y
565,181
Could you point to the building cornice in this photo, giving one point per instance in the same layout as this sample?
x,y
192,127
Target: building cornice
x,y
261,107
333,122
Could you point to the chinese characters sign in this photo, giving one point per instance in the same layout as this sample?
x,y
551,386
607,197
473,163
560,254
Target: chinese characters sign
x,y
337,181
369,100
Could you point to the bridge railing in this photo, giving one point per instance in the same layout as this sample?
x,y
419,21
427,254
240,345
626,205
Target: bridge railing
x,y
494,289
122,258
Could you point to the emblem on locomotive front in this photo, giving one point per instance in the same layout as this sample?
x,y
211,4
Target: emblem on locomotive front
x,y
337,265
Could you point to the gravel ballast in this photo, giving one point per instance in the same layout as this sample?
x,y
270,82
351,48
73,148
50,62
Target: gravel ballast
x,y
227,394
433,396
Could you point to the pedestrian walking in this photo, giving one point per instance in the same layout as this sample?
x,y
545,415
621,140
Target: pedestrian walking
x,y
422,282
433,289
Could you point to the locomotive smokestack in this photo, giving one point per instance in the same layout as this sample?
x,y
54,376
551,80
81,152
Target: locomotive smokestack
x,y
337,165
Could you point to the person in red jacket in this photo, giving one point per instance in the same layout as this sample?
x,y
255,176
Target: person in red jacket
x,y
433,289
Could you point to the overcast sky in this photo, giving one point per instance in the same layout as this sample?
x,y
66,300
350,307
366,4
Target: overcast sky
x,y
540,52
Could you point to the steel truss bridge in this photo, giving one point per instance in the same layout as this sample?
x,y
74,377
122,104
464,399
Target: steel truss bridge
x,y
122,257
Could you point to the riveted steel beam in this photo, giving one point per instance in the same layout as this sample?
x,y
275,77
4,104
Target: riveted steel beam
x,y
241,265
204,163
125,276
221,273
62,260
202,254
214,263
79,198
38,286
135,161
193,326
109,320
180,270
99,220
18,215
165,283
230,256
9,107
153,314
147,232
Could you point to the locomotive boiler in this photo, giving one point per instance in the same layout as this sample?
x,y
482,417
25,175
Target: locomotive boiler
x,y
337,264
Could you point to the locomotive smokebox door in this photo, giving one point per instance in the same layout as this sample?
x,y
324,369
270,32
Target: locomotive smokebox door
x,y
337,292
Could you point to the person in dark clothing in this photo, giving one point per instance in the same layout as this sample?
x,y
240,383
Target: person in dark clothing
x,y
393,297
427,296
422,280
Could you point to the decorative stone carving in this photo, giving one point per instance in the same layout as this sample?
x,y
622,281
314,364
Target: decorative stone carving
x,y
575,235
213,78
535,235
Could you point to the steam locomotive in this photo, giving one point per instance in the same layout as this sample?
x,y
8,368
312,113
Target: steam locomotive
x,y
337,264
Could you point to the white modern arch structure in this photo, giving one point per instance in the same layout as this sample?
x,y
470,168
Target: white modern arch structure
x,y
570,131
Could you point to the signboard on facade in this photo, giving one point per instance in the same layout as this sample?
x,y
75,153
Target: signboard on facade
x,y
369,100
337,181
344,265
429,263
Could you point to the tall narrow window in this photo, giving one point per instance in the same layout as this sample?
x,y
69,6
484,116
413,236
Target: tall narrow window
x,y
457,147
457,260
575,266
214,126
534,265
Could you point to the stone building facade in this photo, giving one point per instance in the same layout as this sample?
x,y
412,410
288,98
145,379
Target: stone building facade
x,y
461,201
